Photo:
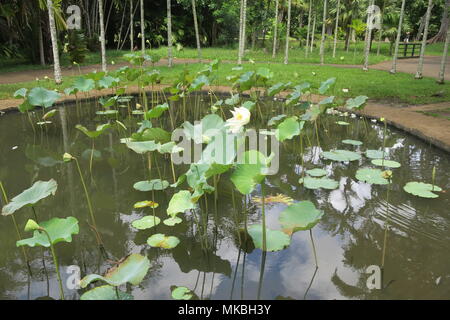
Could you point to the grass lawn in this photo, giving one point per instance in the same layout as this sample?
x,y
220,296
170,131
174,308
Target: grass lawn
x,y
377,85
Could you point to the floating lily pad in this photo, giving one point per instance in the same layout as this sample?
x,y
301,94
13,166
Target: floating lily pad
x,y
275,240
420,189
372,176
146,204
374,154
386,163
105,292
146,222
179,203
132,270
160,240
352,142
317,172
59,230
300,216
341,155
31,196
156,185
172,221
319,183
182,293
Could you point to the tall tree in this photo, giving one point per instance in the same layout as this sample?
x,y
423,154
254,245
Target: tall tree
x,y
309,29
241,20
102,35
131,26
336,29
313,32
197,34
324,26
169,32
368,36
243,30
419,74
399,35
41,40
275,30
56,65
445,53
445,22
288,33
142,28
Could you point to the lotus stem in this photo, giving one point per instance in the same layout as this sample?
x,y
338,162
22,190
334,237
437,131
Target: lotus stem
x,y
173,169
433,177
55,261
263,210
261,274
243,276
314,247
384,141
92,156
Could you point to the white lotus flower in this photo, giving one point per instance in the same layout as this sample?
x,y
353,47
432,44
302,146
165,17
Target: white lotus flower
x,y
241,116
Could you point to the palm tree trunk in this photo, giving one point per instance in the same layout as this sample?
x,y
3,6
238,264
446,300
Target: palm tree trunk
x,y
444,58
275,30
322,42
142,28
102,35
313,33
241,19
131,26
56,65
41,42
419,74
368,41
336,29
288,33
380,34
169,33
244,28
309,29
197,34
397,41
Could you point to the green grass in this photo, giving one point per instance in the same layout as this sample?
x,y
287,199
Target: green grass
x,y
377,85
442,114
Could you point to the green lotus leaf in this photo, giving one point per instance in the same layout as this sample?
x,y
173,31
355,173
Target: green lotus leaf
x,y
38,191
180,202
356,103
372,176
142,147
233,100
162,241
156,185
326,85
157,111
105,292
420,189
289,128
327,101
21,93
265,73
250,173
49,114
386,163
204,131
84,84
277,88
249,105
341,155
132,270
108,82
94,134
59,230
275,240
374,154
199,83
146,222
319,183
41,97
293,98
352,142
172,221
182,293
25,106
274,120
300,216
317,172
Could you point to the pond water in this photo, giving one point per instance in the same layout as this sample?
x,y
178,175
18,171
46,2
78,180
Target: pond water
x,y
348,239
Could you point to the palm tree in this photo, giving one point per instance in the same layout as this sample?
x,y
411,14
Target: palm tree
x,y
288,31
56,65
419,74
336,28
275,31
243,21
309,29
397,41
368,39
131,26
197,35
142,28
169,32
313,33
445,53
324,25
102,35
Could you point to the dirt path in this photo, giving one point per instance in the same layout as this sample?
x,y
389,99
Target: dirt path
x,y
435,131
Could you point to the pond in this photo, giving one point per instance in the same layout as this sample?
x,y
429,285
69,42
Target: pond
x,y
210,260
